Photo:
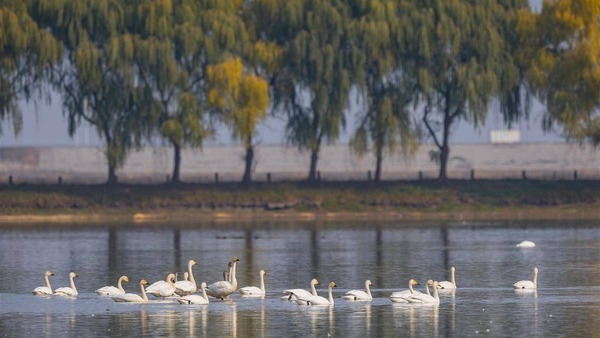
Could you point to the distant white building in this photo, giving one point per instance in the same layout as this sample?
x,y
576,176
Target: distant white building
x,y
505,136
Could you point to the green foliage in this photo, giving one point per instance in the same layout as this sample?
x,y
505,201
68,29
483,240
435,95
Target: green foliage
x,y
561,52
27,53
460,57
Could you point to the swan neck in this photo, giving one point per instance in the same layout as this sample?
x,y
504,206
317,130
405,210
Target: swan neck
x,y
427,289
435,292
47,280
410,288
144,296
368,289
204,295
191,275
452,279
535,273
72,282
120,284
331,295
313,289
233,278
262,282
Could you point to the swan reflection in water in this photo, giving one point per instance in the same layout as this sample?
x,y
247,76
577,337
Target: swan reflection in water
x,y
419,317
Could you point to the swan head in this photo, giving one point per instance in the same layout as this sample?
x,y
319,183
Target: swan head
x,y
413,282
368,282
192,262
332,285
262,272
143,282
171,278
314,281
535,269
125,279
235,259
186,275
49,273
72,275
435,285
452,269
430,282
203,285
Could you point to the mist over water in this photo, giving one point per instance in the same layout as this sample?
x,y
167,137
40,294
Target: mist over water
x,y
487,263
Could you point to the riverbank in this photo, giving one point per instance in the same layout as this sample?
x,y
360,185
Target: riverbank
x,y
296,201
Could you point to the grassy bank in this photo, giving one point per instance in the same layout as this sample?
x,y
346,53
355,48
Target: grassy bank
x,y
330,200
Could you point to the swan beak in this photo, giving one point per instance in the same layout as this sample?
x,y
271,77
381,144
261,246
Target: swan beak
x,y
51,273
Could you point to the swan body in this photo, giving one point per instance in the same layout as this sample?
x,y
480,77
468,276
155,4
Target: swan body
x,y
111,290
253,290
44,290
526,284
294,294
195,299
360,295
222,289
451,285
68,290
318,300
132,297
526,244
402,296
163,288
187,287
427,299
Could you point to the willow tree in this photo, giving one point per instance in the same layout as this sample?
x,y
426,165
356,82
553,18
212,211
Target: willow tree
x,y
96,79
242,99
561,52
27,53
457,53
384,121
314,82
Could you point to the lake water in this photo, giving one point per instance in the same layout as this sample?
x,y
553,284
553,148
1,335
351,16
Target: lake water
x,y
487,263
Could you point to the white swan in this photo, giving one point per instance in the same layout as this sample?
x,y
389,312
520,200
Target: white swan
x,y
360,295
526,244
293,294
163,288
195,299
318,300
222,289
187,287
402,296
132,297
253,290
526,284
451,285
426,299
111,290
44,290
68,290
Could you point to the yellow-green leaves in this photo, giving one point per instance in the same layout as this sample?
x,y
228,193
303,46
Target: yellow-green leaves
x,y
561,52
242,99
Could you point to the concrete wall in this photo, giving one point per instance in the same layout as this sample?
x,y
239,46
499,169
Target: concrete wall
x,y
152,165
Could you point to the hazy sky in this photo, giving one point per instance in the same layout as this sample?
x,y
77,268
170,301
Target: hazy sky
x,y
45,125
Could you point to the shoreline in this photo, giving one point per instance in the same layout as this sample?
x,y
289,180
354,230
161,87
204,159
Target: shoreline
x,y
572,213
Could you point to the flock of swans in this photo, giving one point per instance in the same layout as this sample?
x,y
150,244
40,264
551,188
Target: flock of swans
x,y
184,291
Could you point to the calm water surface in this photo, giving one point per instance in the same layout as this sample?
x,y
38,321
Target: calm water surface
x,y
487,262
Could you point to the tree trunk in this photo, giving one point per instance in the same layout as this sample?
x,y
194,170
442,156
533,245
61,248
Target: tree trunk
x,y
314,158
378,168
445,149
177,163
249,161
112,176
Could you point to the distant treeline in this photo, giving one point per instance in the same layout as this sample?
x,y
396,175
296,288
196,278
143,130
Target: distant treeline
x,y
138,69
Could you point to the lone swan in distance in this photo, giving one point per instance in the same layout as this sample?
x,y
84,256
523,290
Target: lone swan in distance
x,y
68,290
113,291
132,297
253,290
360,295
451,285
44,290
526,284
526,244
